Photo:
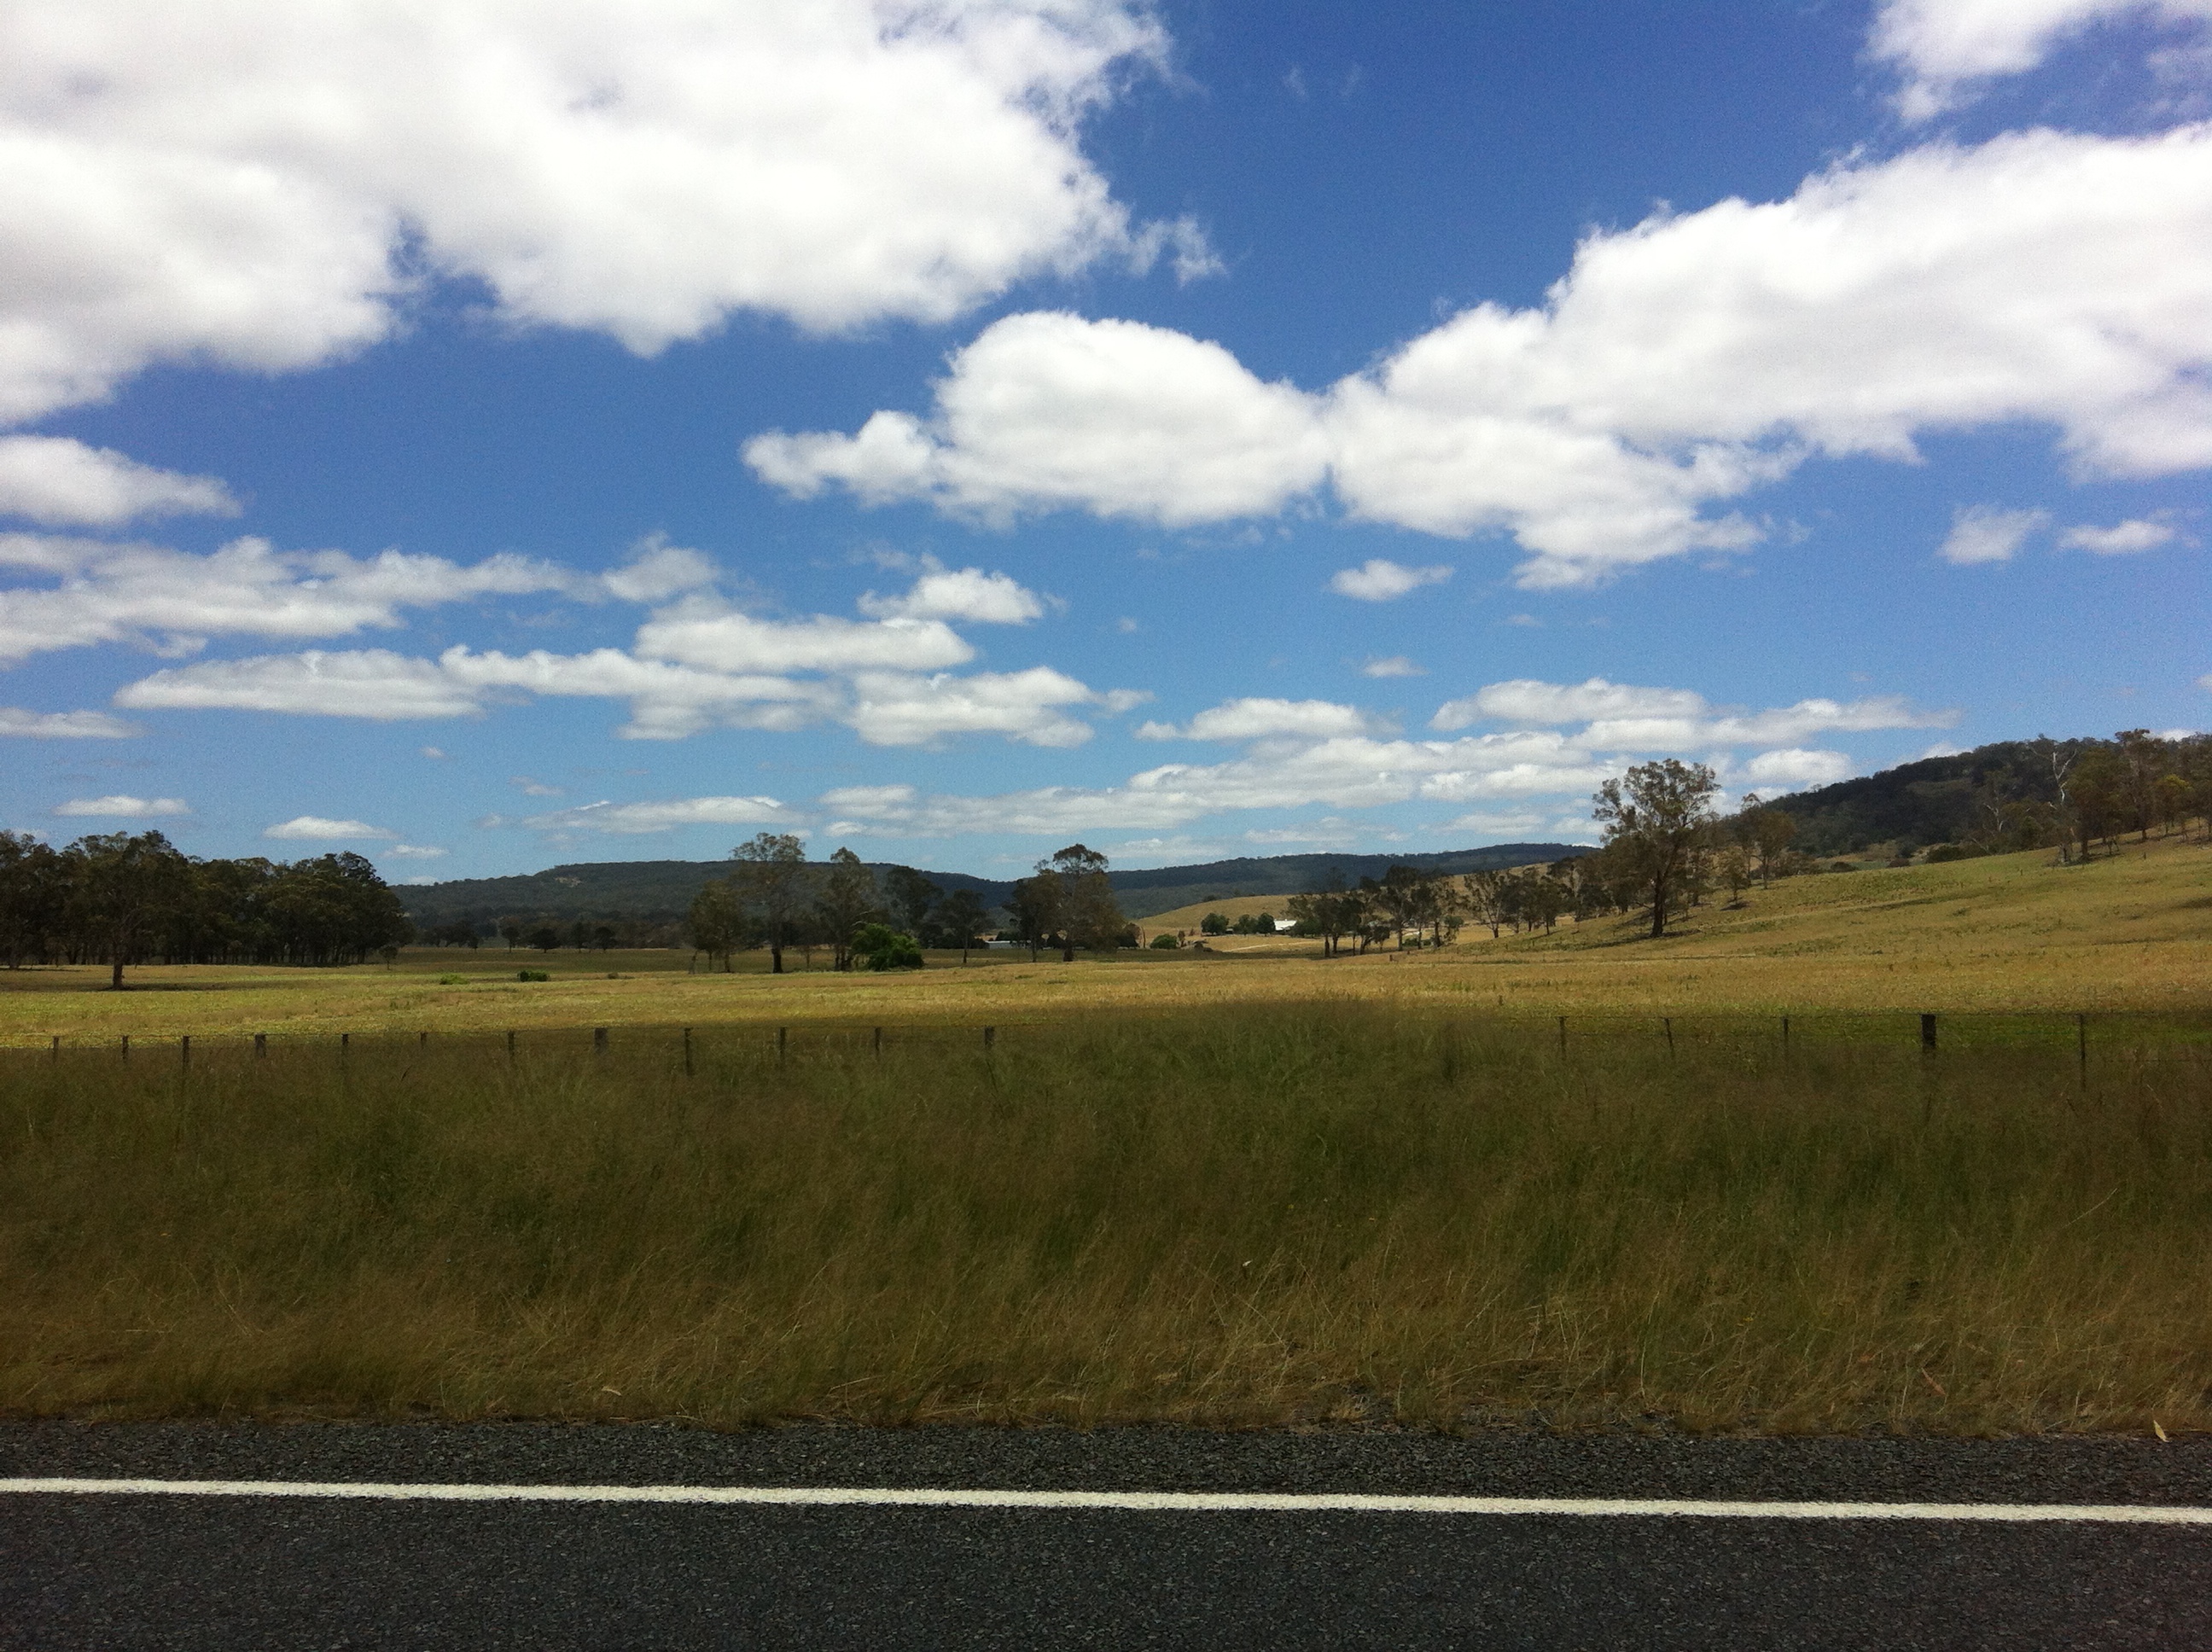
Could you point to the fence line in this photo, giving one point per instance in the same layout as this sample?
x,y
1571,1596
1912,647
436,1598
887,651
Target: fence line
x,y
2178,1034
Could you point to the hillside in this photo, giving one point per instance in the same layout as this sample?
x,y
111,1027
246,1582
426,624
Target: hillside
x,y
663,889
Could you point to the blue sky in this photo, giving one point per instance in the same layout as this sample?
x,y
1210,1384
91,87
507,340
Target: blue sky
x,y
523,432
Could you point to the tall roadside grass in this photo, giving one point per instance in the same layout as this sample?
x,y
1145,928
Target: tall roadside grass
x,y
1261,1215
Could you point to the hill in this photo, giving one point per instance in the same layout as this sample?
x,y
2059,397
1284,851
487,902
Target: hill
x,y
662,890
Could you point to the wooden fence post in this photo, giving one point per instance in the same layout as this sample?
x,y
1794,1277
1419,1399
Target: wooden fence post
x,y
1785,1038
56,1055
261,1047
880,1043
1668,1022
598,1041
510,1048
782,1037
687,1052
990,1036
126,1046
2081,1052
1928,1034
185,1051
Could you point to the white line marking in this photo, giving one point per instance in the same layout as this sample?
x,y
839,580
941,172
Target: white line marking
x,y
1143,1502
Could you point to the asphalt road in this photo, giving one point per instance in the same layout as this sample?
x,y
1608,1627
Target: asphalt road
x,y
115,1571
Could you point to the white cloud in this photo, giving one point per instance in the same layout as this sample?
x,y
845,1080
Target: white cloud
x,y
151,596
2121,539
531,788
1499,823
1046,411
320,829
259,185
1380,580
1791,766
967,593
19,724
118,807
1525,700
56,480
1984,533
634,819
2051,278
704,632
1396,665
1944,47
433,753
412,851
1254,718
899,708
373,683
657,570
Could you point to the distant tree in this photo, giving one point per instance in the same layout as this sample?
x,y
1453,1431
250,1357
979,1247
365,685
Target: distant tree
x,y
579,936
1656,815
511,931
1090,916
546,940
123,885
604,938
717,921
771,881
1038,906
1214,923
878,946
962,914
911,895
1734,867
1488,896
848,900
1165,943
32,894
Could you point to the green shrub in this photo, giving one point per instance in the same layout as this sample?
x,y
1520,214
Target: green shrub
x,y
1165,943
878,946
532,975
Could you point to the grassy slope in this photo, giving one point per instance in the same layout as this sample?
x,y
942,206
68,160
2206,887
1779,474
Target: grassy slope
x,y
2006,932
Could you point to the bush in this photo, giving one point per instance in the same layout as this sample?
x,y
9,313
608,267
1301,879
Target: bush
x,y
1213,924
878,946
1841,866
532,975
1164,942
1946,852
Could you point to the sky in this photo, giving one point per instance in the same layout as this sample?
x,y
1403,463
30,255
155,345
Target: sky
x,y
508,432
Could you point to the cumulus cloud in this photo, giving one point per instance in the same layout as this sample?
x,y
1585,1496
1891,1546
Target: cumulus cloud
x,y
1984,533
636,819
63,725
61,481
704,632
967,593
373,683
411,852
657,570
1524,700
1380,580
321,828
1263,718
898,708
1944,47
119,807
171,601
260,186
1792,766
1046,411
1622,717
2121,539
2050,278
1396,665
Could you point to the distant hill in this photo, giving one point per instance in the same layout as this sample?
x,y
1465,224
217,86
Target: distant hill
x,y
660,891
1931,801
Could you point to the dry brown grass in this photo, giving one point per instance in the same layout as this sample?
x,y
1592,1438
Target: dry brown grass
x,y
2134,932
1255,1216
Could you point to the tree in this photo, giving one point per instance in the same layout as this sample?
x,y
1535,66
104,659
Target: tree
x,y
1214,923
911,895
511,932
717,921
1733,864
848,901
770,882
1089,917
878,946
962,914
546,938
1657,815
123,885
1038,905
1489,899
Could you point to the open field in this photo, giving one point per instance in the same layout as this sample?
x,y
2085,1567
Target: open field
x,y
2015,931
1260,1215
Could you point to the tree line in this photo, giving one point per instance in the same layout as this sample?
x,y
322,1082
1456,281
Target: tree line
x,y
774,897
121,898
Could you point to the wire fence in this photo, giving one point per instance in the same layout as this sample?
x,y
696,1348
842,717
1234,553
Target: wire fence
x,y
2084,1037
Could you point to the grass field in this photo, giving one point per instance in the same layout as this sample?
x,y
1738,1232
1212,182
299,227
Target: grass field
x,y
1263,1215
1244,1189
2132,931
